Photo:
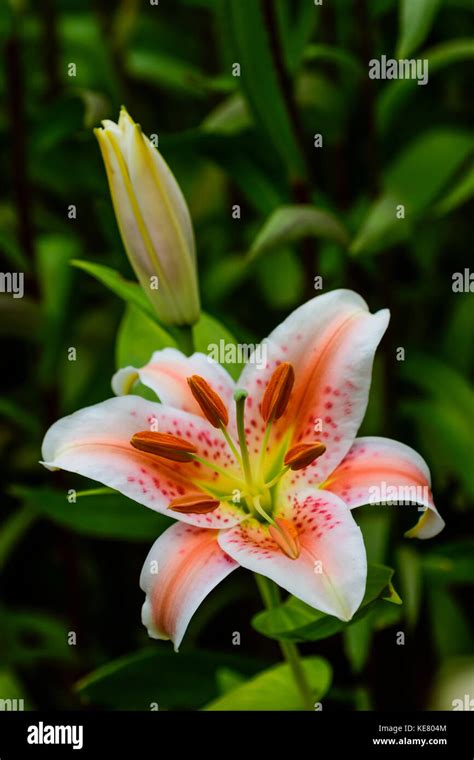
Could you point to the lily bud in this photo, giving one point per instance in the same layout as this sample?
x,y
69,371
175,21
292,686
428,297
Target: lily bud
x,y
153,219
285,536
277,392
194,503
303,454
210,402
164,445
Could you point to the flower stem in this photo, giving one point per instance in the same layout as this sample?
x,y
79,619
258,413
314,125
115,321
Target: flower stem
x,y
184,338
271,598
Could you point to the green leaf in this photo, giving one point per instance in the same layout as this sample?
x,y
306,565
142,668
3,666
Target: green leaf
x,y
138,337
462,191
11,688
18,416
444,418
275,689
291,223
416,20
102,516
414,180
210,332
166,71
450,626
31,637
357,640
451,563
228,679
159,676
296,23
229,117
447,436
332,54
259,79
396,94
281,279
224,276
375,527
55,276
440,380
296,621
411,581
131,292
460,332
13,529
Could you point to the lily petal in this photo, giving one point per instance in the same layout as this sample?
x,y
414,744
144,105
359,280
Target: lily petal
x,y
95,442
166,374
379,469
330,572
182,567
330,341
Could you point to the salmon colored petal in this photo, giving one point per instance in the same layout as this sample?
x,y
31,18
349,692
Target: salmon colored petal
x,y
330,572
166,374
381,470
331,342
184,565
95,442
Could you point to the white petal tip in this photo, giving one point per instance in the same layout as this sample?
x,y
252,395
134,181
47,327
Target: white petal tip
x,y
124,380
49,466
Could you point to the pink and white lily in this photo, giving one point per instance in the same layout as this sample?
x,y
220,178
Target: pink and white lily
x,y
262,473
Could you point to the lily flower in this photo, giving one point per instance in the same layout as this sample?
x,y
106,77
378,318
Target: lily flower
x,y
263,473
153,219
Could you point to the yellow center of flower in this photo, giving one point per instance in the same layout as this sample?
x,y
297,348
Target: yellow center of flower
x,y
253,493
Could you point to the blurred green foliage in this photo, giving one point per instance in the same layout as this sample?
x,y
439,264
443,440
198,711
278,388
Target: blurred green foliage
x,y
305,212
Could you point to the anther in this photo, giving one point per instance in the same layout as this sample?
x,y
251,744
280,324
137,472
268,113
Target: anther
x,y
210,402
194,503
164,445
277,392
303,454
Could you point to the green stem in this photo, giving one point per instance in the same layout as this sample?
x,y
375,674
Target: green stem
x,y
271,598
231,444
184,338
277,477
260,510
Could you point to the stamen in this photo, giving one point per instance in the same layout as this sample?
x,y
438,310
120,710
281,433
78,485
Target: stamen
x,y
210,402
194,503
285,536
258,507
277,477
229,475
164,445
303,454
277,392
213,408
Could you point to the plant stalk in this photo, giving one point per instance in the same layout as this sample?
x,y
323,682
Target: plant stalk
x,y
271,598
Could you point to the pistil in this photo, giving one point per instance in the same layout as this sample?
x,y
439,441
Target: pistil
x,y
240,396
